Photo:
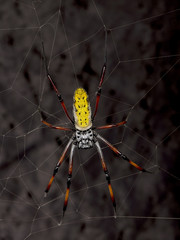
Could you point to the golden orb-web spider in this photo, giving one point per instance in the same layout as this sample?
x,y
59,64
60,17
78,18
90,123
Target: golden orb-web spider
x,y
84,135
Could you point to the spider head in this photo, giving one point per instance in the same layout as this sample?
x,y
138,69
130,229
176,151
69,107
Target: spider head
x,y
82,110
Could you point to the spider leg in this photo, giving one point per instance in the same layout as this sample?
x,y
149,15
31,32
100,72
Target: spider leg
x,y
54,85
58,165
98,94
124,157
56,127
106,173
68,179
112,125
50,125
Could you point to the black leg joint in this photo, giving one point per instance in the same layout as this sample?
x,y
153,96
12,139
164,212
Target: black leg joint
x,y
69,180
124,157
60,98
107,176
99,91
64,209
55,170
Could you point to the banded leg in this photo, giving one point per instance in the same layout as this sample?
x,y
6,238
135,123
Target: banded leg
x,y
56,127
54,85
57,166
112,125
106,173
68,179
98,94
50,125
121,155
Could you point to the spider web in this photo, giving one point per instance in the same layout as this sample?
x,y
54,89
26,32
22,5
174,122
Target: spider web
x,y
141,84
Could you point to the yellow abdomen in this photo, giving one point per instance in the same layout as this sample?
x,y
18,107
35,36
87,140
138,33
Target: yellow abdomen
x,y
82,110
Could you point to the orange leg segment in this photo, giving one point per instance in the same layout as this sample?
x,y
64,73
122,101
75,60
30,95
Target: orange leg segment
x,y
107,175
56,127
57,166
68,179
112,125
124,157
54,85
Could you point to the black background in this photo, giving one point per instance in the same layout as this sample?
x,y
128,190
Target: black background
x,y
141,84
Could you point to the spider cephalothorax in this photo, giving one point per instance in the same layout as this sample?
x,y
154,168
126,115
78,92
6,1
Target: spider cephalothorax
x,y
84,137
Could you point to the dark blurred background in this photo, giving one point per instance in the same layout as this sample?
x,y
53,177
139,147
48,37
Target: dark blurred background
x,y
141,84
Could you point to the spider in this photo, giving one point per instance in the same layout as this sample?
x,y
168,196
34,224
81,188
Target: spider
x,y
84,135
